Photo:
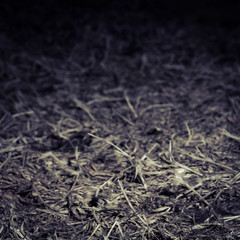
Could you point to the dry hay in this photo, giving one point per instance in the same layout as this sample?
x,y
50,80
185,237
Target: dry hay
x,y
89,150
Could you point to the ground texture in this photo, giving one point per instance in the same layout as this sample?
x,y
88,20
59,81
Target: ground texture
x,y
118,126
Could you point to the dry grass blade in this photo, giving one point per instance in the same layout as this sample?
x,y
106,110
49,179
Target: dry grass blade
x,y
5,161
94,231
103,99
124,118
192,189
206,159
228,134
232,218
148,108
130,204
112,144
139,170
84,107
130,105
109,233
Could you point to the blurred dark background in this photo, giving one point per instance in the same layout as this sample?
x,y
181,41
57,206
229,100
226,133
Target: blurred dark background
x,y
206,30
224,12
26,19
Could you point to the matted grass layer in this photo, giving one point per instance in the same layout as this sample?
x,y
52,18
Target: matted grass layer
x,y
120,131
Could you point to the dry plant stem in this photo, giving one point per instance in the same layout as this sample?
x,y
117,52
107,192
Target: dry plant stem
x,y
112,144
109,232
22,113
206,159
124,118
98,190
205,225
12,149
170,151
120,230
98,221
3,118
94,231
38,194
70,190
194,137
190,190
177,164
129,203
6,160
52,212
130,105
236,179
56,130
228,134
138,100
231,218
50,154
103,99
84,107
150,107
181,180
187,168
55,235
189,134
138,171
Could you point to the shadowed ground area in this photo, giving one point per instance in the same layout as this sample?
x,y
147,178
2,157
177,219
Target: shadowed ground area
x,y
119,121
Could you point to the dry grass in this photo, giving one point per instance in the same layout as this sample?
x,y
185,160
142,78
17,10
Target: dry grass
x,y
120,142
